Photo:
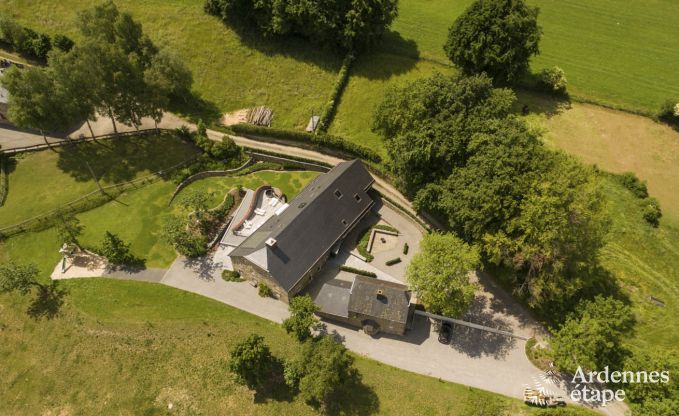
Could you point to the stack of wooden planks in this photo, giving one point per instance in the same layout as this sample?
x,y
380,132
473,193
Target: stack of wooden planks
x,y
260,116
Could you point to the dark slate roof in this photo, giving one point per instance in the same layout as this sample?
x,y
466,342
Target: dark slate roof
x,y
391,305
315,220
333,299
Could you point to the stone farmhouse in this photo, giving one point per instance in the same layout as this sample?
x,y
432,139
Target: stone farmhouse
x,y
293,244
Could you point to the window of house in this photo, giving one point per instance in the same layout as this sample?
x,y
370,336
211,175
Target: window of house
x,y
338,194
344,222
357,198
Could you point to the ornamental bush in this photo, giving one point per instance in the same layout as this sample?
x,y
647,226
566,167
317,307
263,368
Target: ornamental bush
x,y
651,211
669,112
553,80
264,290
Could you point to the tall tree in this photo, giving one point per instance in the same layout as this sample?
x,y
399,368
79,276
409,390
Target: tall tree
x,y
302,319
439,274
251,361
328,372
497,37
592,336
37,101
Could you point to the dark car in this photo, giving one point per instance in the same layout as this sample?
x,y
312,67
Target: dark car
x,y
445,333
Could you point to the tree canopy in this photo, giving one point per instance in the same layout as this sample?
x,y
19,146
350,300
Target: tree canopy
x,y
114,70
457,149
497,37
327,372
440,274
251,361
347,24
302,319
591,336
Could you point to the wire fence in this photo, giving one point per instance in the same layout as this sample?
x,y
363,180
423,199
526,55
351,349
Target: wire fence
x,y
88,201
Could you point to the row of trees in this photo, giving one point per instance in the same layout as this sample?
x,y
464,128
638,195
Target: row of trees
x,y
29,42
455,147
352,24
320,377
114,70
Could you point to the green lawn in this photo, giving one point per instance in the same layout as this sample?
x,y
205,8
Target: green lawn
x,y
617,52
645,262
371,76
45,180
232,69
132,348
138,216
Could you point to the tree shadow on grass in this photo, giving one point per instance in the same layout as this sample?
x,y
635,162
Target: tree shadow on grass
x,y
295,47
356,399
275,388
393,56
536,102
196,108
121,159
47,302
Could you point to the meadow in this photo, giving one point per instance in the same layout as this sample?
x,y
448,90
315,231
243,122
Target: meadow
x,y
233,67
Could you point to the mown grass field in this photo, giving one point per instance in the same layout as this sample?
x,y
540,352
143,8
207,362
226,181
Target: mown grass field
x,y
45,180
232,69
133,348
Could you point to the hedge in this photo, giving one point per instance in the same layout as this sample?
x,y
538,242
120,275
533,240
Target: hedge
x,y
357,271
331,108
405,248
29,42
4,183
320,140
393,261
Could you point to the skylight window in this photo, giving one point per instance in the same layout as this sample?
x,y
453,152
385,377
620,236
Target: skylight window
x,y
338,194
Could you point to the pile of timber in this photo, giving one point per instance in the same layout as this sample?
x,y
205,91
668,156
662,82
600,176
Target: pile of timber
x,y
260,116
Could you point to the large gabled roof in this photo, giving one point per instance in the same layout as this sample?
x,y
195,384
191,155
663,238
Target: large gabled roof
x,y
290,243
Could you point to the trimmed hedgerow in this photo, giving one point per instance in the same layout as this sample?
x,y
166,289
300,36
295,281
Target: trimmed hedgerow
x,y
331,108
357,271
320,140
393,261
405,248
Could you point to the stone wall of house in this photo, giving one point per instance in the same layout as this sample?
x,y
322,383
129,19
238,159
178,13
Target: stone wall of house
x,y
306,279
251,272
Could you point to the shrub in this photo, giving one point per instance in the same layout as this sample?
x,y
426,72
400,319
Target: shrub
x,y
264,290
63,42
320,140
669,112
651,211
231,276
115,250
251,361
225,149
393,261
405,248
357,271
630,181
330,110
553,80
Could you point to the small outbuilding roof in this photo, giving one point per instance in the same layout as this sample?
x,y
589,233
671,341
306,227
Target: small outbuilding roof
x,y
379,299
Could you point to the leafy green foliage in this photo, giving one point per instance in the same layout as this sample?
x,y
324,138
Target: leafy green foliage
x,y
251,361
497,37
348,24
427,124
319,140
669,112
635,185
302,320
69,229
18,277
29,42
553,80
116,250
652,212
591,337
186,243
440,274
331,108
393,261
263,290
354,270
652,360
328,373
231,276
658,407
467,161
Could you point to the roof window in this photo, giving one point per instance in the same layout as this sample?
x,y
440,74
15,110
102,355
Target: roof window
x,y
338,194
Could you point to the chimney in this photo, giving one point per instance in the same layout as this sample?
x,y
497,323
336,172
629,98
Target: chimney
x,y
271,242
